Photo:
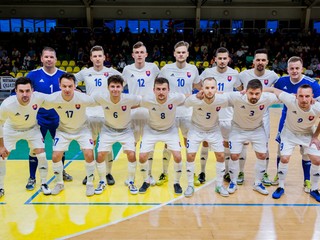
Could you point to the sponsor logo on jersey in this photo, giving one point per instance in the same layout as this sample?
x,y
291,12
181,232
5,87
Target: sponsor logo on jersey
x,y
90,75
295,112
41,80
17,114
107,108
153,109
172,75
148,73
285,87
106,74
188,74
34,106
132,75
311,118
266,81
229,78
170,106
261,107
59,107
77,106
199,109
243,107
124,108
218,109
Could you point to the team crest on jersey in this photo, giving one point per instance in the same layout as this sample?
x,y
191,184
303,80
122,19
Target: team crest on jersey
x,y
229,78
34,106
218,109
170,106
148,73
266,81
106,74
311,118
124,108
188,74
261,107
91,141
77,106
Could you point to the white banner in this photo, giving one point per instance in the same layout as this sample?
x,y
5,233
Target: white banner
x,y
7,83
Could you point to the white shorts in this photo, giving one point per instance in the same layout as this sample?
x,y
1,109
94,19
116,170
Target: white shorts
x,y
289,141
95,124
62,140
213,137
257,137
184,123
151,137
225,127
139,118
33,136
109,136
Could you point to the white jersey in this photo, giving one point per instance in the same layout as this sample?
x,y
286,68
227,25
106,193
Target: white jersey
x,y
226,82
19,117
205,116
117,115
162,116
248,116
140,81
299,121
95,81
72,113
181,81
267,79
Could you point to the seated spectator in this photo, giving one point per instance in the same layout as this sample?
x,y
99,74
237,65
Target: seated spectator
x,y
309,72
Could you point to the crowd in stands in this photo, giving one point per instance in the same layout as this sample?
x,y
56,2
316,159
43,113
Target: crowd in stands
x,y
21,51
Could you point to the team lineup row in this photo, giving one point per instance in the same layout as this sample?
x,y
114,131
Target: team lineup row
x,y
220,120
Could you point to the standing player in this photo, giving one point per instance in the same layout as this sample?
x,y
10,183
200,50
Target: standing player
x,y
183,78
18,114
290,84
45,80
116,128
205,127
96,79
298,129
162,107
139,78
267,78
247,126
227,81
71,107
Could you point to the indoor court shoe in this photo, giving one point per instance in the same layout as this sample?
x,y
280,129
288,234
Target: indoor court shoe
x,y
226,177
260,189
1,192
315,194
240,178
132,188
307,186
151,181
84,181
275,181
57,189
177,188
232,187
162,179
100,188
144,187
265,180
196,181
202,177
189,191
278,193
45,189
89,190
31,184
110,179
222,191
67,177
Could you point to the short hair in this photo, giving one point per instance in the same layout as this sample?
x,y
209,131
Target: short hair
x,y
161,80
96,48
261,51
115,79
49,49
69,76
209,79
138,45
22,81
222,50
305,86
295,59
181,44
254,84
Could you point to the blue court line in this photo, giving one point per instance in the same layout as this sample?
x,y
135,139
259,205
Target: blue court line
x,y
96,204
51,179
3,203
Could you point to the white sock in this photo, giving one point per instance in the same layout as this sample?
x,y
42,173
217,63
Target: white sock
x,y
314,176
43,167
166,159
57,170
150,160
102,171
220,171
282,173
203,158
177,172
260,170
109,161
144,171
234,170
227,158
2,171
90,167
132,170
190,172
